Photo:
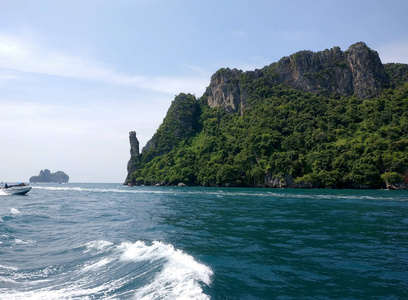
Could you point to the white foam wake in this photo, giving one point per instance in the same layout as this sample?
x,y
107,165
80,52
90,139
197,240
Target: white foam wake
x,y
180,276
138,270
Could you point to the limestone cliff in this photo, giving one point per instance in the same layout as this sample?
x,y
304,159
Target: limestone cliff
x,y
368,73
134,155
224,90
357,71
134,144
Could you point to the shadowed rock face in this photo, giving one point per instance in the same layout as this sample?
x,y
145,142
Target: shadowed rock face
x,y
321,72
134,144
134,154
357,71
368,73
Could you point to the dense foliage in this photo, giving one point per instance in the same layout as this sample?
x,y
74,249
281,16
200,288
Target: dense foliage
x,y
316,140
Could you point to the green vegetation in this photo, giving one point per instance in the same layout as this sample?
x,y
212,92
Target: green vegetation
x,y
392,177
316,140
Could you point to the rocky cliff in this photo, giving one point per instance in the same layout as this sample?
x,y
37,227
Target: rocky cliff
x,y
357,71
46,176
134,154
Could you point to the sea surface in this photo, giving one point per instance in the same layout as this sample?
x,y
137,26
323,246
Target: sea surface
x,y
109,241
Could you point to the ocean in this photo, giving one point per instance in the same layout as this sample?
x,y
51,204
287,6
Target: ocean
x,y
109,241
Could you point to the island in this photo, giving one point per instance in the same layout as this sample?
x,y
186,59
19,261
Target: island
x,y
47,176
328,119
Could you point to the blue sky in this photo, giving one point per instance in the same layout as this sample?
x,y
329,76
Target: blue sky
x,y
77,76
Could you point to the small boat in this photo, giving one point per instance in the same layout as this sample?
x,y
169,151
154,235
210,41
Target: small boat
x,y
16,189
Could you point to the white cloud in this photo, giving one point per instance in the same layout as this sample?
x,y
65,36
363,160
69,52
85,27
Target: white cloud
x,y
25,56
396,52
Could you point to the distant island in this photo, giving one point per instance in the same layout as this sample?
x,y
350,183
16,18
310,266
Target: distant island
x,y
328,119
47,176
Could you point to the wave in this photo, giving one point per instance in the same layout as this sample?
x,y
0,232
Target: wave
x,y
14,211
221,193
108,271
101,190
179,277
9,241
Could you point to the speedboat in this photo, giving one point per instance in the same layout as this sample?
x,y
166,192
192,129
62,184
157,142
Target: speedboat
x,y
17,189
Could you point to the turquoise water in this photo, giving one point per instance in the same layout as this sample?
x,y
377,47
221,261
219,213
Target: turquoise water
x,y
108,241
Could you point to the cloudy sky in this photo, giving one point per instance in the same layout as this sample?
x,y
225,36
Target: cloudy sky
x,y
77,76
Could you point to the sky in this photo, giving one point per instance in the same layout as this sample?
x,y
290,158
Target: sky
x,y
77,76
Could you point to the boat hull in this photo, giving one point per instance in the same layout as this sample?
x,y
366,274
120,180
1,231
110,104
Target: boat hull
x,y
16,190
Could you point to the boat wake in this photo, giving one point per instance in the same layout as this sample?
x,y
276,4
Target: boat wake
x,y
104,270
220,193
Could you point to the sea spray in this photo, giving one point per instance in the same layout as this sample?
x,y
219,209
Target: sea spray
x,y
180,277
106,269
14,211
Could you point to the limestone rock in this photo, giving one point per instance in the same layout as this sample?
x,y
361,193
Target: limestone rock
x,y
368,73
134,156
357,71
134,144
285,181
224,90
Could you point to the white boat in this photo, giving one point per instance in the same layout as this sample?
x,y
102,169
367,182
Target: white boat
x,y
17,189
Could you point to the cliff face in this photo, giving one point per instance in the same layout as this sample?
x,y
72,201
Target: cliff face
x,y
224,90
134,144
357,71
368,73
134,155
321,72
